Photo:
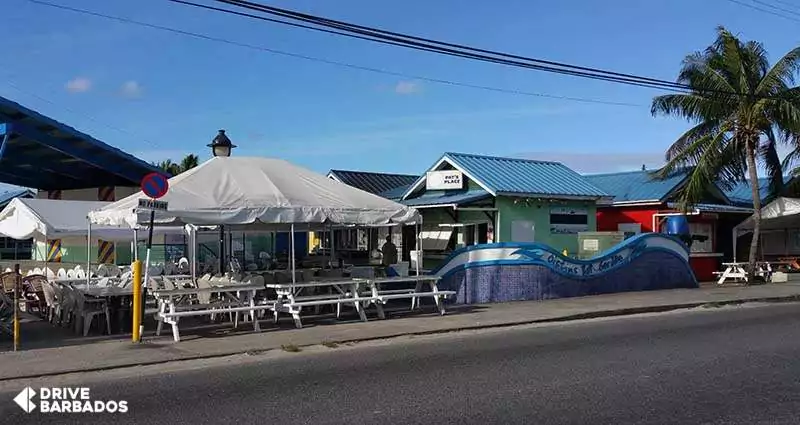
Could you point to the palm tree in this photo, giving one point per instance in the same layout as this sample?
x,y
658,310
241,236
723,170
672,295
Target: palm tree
x,y
741,109
187,163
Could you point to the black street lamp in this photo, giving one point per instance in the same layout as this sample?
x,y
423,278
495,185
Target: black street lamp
x,y
221,145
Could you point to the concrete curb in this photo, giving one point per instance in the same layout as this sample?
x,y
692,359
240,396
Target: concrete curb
x,y
574,317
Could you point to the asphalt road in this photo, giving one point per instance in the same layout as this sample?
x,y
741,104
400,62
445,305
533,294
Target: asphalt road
x,y
730,366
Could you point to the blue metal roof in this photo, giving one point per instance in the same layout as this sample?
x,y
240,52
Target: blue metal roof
x,y
516,176
42,153
636,186
447,197
742,193
375,183
7,197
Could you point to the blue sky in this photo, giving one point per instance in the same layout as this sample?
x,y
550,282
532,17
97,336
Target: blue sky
x,y
162,95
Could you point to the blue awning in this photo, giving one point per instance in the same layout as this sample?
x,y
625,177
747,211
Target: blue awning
x,y
41,153
435,198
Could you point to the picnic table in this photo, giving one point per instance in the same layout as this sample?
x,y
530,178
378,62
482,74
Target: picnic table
x,y
737,270
358,292
173,304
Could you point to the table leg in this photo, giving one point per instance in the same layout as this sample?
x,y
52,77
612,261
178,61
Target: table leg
x,y
359,307
437,298
378,304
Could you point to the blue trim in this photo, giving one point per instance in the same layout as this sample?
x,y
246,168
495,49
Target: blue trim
x,y
3,129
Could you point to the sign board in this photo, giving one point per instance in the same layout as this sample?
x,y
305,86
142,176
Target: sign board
x,y
155,185
152,205
444,180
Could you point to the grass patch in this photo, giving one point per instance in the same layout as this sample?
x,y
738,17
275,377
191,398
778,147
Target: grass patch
x,y
290,348
330,344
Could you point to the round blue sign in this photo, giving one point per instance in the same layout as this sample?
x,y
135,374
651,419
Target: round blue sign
x,y
155,185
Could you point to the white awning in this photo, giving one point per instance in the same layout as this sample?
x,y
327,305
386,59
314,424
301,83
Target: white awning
x,y
258,192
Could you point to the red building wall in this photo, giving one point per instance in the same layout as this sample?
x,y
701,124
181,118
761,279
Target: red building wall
x,y
609,217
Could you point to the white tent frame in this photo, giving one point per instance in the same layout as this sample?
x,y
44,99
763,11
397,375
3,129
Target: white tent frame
x,y
774,216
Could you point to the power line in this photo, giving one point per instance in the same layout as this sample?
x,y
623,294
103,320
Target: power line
x,y
761,9
380,36
415,42
331,62
776,7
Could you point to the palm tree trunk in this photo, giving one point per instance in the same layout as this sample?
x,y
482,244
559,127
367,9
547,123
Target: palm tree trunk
x,y
751,168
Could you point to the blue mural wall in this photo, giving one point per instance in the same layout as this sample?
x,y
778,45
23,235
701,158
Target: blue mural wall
x,y
528,271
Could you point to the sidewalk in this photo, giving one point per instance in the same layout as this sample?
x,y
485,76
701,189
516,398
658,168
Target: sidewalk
x,y
98,353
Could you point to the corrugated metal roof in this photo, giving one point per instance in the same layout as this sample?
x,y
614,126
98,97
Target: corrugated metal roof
x,y
375,183
446,197
524,176
636,186
394,194
742,193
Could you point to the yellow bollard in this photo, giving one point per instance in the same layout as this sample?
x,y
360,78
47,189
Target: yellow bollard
x,y
137,300
17,288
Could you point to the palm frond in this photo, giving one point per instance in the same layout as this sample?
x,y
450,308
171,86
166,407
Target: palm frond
x,y
781,75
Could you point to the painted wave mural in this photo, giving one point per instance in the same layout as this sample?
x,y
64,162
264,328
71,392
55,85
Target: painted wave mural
x,y
529,271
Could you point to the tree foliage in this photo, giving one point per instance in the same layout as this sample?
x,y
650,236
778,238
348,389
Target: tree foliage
x,y
741,109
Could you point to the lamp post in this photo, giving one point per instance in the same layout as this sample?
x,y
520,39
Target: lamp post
x,y
221,145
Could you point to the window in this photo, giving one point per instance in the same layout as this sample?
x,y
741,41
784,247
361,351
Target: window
x,y
565,220
702,229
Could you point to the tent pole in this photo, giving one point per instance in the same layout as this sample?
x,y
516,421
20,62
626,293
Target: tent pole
x,y
291,248
221,249
419,246
333,247
89,253
193,241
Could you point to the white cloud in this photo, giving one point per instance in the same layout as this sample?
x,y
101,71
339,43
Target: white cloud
x,y
78,85
131,89
407,87
590,163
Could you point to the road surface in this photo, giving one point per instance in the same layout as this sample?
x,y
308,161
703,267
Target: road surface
x,y
719,366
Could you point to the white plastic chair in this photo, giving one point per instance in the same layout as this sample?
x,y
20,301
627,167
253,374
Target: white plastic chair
x,y
71,274
61,274
88,310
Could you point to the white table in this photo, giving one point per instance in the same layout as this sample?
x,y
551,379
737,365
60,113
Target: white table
x,y
175,303
290,299
737,270
383,296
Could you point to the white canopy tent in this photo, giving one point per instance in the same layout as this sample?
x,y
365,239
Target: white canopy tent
x,y
50,218
780,214
253,193
259,191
